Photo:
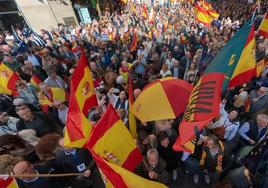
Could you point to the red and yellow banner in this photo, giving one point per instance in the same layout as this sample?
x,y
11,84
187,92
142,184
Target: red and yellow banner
x,y
263,29
260,66
202,15
8,80
203,106
54,94
117,177
8,182
134,43
112,141
82,99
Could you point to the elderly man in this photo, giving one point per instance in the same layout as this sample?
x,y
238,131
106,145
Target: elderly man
x,y
153,167
253,131
25,167
258,99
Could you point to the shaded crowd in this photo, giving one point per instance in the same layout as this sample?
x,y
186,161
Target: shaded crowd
x,y
174,45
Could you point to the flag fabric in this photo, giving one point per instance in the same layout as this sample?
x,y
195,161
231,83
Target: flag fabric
x,y
35,80
213,14
263,29
55,94
8,182
203,106
144,11
111,140
254,159
202,15
237,58
133,8
131,118
151,18
8,80
82,99
260,66
134,43
117,177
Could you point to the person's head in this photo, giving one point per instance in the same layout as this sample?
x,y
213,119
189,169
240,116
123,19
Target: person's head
x,y
122,95
136,93
262,120
121,113
192,66
46,146
212,142
8,58
163,139
143,137
176,63
52,74
44,87
59,105
7,163
153,157
24,112
24,167
93,65
20,85
262,90
233,114
164,67
3,117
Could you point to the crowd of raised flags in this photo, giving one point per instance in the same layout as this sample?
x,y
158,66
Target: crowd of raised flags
x,y
111,143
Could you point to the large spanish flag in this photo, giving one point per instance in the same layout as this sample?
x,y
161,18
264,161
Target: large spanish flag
x,y
111,140
8,182
8,80
263,29
203,106
144,11
82,99
236,59
131,118
115,176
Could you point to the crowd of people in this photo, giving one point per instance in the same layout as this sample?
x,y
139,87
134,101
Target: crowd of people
x,y
173,45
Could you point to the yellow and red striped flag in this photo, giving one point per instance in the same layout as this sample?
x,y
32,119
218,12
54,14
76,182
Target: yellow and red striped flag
x,y
111,140
8,80
260,66
144,11
35,80
213,14
54,94
206,5
131,118
202,15
263,29
8,182
134,43
82,99
151,18
117,177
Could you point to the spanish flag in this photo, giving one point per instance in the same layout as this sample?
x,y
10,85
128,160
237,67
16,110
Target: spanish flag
x,y
82,99
213,14
263,29
237,58
202,15
8,80
111,140
131,118
134,42
117,177
206,5
54,94
8,182
35,80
